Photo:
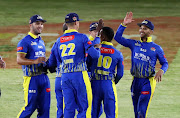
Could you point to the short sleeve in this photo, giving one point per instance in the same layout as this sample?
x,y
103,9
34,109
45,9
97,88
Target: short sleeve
x,y
22,47
87,43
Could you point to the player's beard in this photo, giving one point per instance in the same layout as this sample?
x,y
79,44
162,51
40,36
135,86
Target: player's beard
x,y
144,36
36,30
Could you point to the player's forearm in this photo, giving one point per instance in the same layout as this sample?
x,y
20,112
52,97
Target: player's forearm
x,y
118,37
94,53
51,62
164,67
25,61
120,72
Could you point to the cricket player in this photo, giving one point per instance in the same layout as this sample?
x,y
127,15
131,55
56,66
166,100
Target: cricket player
x,y
143,59
104,76
72,47
31,55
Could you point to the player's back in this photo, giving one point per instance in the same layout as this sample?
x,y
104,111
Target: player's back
x,y
72,46
104,67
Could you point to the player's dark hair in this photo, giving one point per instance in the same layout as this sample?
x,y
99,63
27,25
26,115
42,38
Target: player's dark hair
x,y
64,27
70,24
108,32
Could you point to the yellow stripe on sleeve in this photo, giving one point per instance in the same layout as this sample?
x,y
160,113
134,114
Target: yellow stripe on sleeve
x,y
22,52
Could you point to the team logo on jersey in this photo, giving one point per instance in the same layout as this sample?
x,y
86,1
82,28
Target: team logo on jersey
x,y
145,92
86,54
40,47
89,42
40,54
32,91
143,50
19,48
137,44
33,43
66,38
48,89
153,49
107,50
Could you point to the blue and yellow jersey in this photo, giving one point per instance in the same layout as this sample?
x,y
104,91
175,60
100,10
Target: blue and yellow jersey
x,y
95,40
104,67
72,47
144,55
33,47
54,60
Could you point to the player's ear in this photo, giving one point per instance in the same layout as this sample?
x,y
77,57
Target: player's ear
x,y
151,31
75,23
30,25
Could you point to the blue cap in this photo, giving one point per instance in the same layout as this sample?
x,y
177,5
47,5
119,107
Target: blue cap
x,y
36,18
147,23
72,17
93,26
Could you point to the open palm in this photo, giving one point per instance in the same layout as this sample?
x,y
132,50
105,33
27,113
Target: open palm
x,y
128,19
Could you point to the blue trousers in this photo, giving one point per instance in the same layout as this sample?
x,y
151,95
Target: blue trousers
x,y
77,94
36,96
104,90
59,97
142,90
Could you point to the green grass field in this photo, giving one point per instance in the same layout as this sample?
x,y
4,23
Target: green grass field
x,y
18,12
166,100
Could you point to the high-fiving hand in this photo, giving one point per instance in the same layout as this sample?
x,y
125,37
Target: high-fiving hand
x,y
128,19
100,25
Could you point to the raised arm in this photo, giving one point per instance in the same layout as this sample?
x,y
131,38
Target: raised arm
x,y
118,37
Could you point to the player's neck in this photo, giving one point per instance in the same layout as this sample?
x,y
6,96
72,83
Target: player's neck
x,y
72,27
144,39
34,33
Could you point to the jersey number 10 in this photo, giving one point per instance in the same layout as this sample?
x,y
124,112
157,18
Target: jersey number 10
x,y
104,61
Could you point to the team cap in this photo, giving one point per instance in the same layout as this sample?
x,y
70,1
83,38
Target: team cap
x,y
147,23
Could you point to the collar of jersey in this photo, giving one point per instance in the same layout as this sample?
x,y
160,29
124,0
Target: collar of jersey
x,y
107,43
149,39
70,30
32,35
91,38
